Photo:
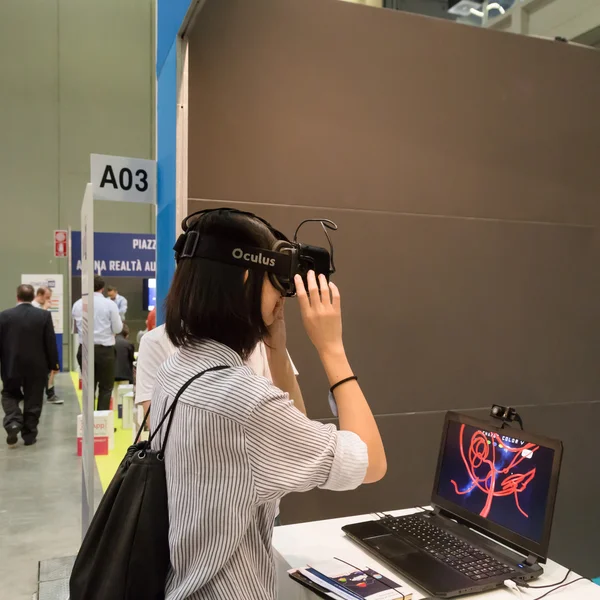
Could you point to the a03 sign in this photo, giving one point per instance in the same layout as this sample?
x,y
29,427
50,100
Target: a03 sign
x,y
123,179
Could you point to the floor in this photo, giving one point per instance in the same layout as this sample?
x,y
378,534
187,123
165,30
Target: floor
x,y
40,497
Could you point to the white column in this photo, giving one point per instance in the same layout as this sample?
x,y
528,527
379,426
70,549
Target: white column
x,y
181,160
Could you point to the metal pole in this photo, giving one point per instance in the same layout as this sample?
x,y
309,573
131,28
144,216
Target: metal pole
x,y
87,360
69,302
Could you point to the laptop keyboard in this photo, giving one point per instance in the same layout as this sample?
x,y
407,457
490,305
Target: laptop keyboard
x,y
450,549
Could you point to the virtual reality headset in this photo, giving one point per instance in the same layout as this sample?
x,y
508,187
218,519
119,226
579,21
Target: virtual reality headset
x,y
281,262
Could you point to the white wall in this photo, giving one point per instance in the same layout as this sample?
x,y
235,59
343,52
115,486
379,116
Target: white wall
x,y
76,77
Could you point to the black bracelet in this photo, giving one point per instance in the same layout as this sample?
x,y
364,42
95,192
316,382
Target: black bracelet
x,y
335,385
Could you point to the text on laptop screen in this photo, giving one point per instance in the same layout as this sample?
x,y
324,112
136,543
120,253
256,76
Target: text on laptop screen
x,y
497,476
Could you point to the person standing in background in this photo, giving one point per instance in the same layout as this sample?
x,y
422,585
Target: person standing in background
x,y
107,324
120,301
27,353
77,316
125,352
43,299
150,325
156,348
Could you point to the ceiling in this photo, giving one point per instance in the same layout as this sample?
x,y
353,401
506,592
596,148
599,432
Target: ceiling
x,y
449,9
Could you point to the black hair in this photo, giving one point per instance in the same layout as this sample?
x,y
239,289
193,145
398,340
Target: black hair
x,y
211,300
98,283
125,330
25,293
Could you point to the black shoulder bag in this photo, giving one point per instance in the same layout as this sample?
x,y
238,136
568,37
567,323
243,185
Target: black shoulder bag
x,y
125,552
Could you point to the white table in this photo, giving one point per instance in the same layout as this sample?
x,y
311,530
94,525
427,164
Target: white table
x,y
298,545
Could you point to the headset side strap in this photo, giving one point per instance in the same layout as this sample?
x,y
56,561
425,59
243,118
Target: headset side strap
x,y
246,257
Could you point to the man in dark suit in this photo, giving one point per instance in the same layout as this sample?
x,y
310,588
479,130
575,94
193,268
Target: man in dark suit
x,y
27,353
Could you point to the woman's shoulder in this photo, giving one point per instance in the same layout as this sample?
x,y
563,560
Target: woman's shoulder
x,y
241,391
234,392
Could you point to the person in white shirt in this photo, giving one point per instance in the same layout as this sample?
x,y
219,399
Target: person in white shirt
x,y
121,302
107,324
155,348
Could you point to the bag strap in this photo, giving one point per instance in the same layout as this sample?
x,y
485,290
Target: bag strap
x,y
171,410
139,433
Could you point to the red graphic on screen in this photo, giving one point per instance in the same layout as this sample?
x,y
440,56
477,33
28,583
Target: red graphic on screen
x,y
485,474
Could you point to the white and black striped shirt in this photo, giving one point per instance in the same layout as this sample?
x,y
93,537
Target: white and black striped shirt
x,y
237,444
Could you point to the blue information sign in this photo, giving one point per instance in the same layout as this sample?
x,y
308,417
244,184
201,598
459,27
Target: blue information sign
x,y
118,254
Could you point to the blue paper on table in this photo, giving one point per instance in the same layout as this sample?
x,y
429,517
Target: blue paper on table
x,y
365,584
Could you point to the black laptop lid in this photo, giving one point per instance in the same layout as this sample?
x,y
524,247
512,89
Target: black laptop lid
x,y
502,482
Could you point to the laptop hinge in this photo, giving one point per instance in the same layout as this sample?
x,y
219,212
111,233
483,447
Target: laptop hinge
x,y
531,560
438,510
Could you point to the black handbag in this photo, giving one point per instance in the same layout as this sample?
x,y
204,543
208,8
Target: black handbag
x,y
125,552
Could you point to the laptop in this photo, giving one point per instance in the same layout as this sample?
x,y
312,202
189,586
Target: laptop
x,y
493,501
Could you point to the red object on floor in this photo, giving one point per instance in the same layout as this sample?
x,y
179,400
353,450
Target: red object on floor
x,y
100,445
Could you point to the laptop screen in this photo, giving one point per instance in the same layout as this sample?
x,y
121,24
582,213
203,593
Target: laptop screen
x,y
497,476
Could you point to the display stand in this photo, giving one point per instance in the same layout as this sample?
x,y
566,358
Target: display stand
x,y
87,357
117,179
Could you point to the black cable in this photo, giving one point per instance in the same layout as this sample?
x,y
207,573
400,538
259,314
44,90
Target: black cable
x,y
325,224
559,587
542,587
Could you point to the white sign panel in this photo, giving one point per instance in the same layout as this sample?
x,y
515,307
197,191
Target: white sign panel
x,y
123,179
87,355
55,283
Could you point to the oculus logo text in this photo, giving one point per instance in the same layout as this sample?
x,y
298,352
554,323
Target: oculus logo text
x,y
239,254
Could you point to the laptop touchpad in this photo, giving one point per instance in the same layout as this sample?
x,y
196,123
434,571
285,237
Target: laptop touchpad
x,y
390,546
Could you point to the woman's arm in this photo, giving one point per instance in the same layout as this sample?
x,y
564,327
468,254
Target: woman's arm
x,y
283,376
280,365
322,318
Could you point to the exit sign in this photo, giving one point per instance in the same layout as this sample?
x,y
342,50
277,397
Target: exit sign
x,y
60,243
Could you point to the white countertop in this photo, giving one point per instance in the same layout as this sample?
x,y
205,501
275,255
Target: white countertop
x,y
298,545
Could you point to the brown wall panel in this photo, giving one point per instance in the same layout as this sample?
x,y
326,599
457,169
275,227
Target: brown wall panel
x,y
446,313
324,103
460,166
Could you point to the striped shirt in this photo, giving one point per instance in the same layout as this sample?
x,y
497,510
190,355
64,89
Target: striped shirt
x,y
236,446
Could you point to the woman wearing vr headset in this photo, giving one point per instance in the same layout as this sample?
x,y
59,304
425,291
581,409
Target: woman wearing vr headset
x,y
238,443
